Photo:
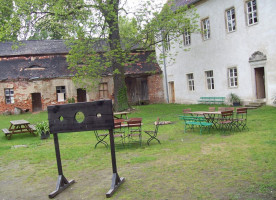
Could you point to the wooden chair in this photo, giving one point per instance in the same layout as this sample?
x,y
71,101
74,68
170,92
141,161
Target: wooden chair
x,y
241,119
153,134
221,108
229,108
100,138
226,120
135,129
212,109
118,132
186,111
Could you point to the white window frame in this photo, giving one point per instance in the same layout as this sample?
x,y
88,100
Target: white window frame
x,y
187,37
191,82
230,15
103,90
167,42
232,77
61,90
9,95
251,12
206,33
210,79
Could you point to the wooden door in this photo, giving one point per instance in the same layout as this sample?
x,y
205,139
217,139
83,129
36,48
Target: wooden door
x,y
81,95
260,83
36,102
172,94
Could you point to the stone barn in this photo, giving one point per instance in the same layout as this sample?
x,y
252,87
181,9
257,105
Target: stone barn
x,y
36,75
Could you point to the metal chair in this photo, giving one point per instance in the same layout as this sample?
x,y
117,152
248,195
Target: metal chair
x,y
241,119
100,138
229,108
135,129
226,120
118,132
212,109
187,110
153,134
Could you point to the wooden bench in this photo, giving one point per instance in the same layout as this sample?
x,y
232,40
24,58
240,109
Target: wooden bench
x,y
33,128
211,100
7,133
191,121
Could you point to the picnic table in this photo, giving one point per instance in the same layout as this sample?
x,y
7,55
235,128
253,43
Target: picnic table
x,y
210,116
121,114
19,126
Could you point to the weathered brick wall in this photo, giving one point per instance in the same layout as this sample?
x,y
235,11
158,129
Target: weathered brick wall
x,y
23,92
155,88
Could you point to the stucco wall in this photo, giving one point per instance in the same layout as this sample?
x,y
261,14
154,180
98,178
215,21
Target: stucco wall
x,y
224,50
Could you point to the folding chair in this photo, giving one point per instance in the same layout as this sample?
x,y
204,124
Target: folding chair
x,y
241,119
118,132
187,110
135,129
100,138
212,109
226,120
153,134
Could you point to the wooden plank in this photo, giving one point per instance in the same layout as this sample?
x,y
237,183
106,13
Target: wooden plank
x,y
6,131
98,115
19,122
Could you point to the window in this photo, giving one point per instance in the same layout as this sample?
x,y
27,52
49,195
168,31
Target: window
x,y
210,80
187,37
167,42
9,96
251,9
61,93
206,29
231,20
103,91
233,77
191,83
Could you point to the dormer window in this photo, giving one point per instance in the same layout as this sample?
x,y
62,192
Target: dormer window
x,y
34,67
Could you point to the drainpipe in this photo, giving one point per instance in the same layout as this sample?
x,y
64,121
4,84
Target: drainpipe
x,y
165,70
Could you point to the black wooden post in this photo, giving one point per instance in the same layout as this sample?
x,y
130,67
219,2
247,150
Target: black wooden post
x,y
62,182
98,115
116,180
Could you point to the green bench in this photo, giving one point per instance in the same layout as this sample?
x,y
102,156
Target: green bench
x,y
211,100
191,121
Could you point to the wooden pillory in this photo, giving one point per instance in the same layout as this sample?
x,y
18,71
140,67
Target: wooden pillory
x,y
98,115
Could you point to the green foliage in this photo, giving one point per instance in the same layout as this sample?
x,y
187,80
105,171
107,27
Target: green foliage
x,y
234,98
122,100
42,127
71,100
98,33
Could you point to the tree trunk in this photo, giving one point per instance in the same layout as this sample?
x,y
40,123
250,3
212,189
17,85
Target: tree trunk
x,y
117,55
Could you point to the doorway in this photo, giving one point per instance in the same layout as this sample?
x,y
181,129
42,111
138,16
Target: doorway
x,y
36,102
260,83
81,95
172,93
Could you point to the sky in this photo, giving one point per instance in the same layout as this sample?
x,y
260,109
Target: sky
x,y
132,5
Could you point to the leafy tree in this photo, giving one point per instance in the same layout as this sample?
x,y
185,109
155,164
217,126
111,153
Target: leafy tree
x,y
98,34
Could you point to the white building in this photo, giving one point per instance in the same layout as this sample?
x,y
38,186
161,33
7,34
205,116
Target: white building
x,y
236,53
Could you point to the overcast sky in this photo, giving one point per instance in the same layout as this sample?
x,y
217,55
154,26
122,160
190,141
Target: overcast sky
x,y
132,5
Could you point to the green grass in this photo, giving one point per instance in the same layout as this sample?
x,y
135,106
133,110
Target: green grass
x,y
237,165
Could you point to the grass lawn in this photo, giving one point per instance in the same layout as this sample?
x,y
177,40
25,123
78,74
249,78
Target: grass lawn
x,y
237,165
